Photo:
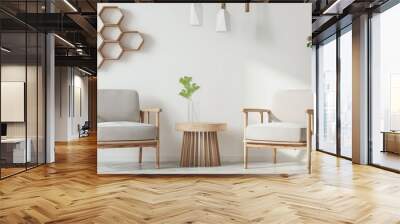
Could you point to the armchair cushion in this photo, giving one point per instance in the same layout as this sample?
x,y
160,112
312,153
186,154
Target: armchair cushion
x,y
290,105
118,105
276,131
125,131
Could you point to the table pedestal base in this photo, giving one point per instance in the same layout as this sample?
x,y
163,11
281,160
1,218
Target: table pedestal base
x,y
200,149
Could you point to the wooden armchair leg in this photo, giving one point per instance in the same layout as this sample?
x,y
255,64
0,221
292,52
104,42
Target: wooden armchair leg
x,y
140,154
310,115
158,155
309,151
245,155
309,159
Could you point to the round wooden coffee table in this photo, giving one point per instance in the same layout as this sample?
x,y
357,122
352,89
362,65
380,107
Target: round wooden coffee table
x,y
200,144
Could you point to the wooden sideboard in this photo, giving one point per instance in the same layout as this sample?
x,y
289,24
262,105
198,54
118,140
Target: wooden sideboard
x,y
391,141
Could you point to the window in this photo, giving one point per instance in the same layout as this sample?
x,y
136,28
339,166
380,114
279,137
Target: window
x,y
385,89
22,77
394,102
346,93
335,94
327,96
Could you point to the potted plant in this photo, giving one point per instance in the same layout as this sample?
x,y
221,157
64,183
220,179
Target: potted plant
x,y
189,88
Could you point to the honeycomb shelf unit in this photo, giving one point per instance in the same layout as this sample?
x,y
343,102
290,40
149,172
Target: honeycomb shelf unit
x,y
111,50
111,32
111,15
131,40
113,41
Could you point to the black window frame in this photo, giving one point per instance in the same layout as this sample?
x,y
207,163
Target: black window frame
x,y
381,9
31,30
333,37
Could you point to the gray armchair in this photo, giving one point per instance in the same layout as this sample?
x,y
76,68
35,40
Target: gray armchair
x,y
121,122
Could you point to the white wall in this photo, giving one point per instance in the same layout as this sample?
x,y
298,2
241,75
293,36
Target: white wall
x,y
81,82
264,51
66,121
61,104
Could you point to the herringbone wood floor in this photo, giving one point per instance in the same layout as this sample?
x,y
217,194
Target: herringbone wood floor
x,y
69,191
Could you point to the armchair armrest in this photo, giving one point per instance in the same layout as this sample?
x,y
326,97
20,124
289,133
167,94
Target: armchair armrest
x,y
258,110
154,110
310,120
261,111
145,113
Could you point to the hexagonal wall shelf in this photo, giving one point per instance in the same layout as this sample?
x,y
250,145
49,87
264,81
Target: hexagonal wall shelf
x,y
110,32
99,41
99,23
111,15
100,59
112,41
131,41
111,50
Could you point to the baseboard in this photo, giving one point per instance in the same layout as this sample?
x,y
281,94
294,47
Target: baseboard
x,y
131,155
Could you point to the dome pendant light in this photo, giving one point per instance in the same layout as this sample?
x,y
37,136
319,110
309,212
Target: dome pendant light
x,y
221,25
195,19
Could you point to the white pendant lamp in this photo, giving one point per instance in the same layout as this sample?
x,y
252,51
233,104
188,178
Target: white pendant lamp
x,y
195,17
221,25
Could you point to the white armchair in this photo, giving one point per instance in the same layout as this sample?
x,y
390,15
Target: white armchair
x,y
289,124
121,122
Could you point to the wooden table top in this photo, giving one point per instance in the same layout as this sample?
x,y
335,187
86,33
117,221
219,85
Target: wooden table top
x,y
391,132
201,126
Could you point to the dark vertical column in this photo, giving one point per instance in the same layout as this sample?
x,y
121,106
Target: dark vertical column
x,y
317,97
26,87
92,99
369,90
37,90
44,69
338,91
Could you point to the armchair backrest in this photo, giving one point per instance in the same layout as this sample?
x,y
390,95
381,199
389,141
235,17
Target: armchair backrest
x,y
290,105
118,105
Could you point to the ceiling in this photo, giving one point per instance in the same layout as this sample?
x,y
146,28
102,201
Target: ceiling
x,y
76,22
325,13
77,25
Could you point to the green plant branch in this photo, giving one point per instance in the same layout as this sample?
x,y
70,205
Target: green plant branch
x,y
189,88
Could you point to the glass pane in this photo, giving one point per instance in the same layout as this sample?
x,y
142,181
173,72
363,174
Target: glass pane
x,y
13,87
346,94
394,101
327,97
22,90
31,100
385,84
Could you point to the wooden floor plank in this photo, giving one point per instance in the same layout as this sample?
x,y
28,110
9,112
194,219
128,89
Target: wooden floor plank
x,y
70,191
